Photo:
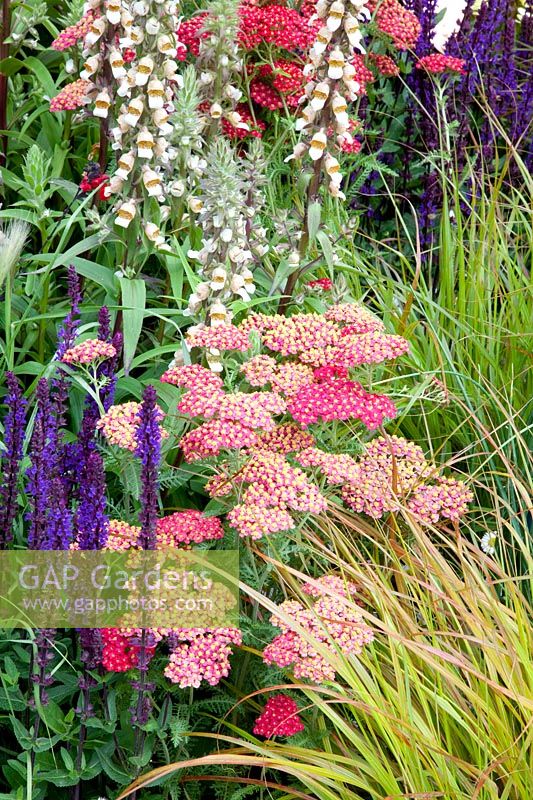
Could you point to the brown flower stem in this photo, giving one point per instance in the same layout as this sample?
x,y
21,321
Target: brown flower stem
x,y
312,196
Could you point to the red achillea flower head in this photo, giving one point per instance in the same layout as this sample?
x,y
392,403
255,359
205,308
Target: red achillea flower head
x,y
437,63
321,283
277,25
255,127
385,65
279,718
265,96
340,400
128,55
329,373
190,33
362,74
397,22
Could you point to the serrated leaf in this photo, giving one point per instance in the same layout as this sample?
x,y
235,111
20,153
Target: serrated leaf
x,y
133,303
11,670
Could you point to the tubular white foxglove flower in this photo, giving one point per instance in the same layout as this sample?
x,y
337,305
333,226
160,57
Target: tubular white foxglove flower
x,y
156,94
219,277
319,96
324,121
335,16
152,183
215,111
145,144
322,40
125,214
306,118
353,30
153,234
145,67
96,30
134,112
167,45
318,145
335,64
153,26
101,104
219,314
125,165
113,11
91,65
116,63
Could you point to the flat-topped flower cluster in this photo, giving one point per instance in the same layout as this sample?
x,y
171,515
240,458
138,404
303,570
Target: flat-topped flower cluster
x,y
262,438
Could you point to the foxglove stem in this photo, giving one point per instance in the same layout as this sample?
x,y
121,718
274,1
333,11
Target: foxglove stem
x,y
14,425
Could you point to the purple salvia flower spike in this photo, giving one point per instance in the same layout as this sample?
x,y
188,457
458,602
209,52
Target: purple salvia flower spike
x,y
149,451
91,520
14,427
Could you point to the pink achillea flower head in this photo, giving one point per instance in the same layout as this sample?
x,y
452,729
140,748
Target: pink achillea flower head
x,y
448,498
186,528
329,584
193,376
437,63
222,337
72,96
259,370
286,438
204,656
359,318
256,521
89,352
122,536
119,425
279,718
72,35
210,438
331,622
393,469
338,468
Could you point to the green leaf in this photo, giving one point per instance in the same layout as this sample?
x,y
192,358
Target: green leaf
x,y
58,777
95,272
325,246
10,66
116,774
314,213
133,303
42,75
12,672
53,717
67,759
